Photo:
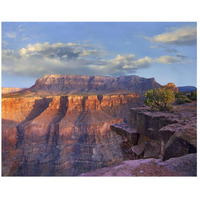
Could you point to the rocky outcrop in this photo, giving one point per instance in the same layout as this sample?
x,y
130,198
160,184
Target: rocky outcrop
x,y
183,141
61,135
160,134
6,90
73,84
182,166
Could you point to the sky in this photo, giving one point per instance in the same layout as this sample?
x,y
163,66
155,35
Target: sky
x,y
166,51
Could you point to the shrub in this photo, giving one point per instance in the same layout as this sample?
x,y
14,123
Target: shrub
x,y
160,99
182,99
193,96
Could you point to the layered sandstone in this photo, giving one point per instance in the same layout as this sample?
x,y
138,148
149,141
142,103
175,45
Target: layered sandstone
x,y
61,135
74,84
61,125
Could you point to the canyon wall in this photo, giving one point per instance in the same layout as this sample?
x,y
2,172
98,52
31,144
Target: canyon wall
x,y
61,125
62,135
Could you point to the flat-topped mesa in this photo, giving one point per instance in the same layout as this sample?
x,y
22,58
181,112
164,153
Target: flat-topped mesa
x,y
62,84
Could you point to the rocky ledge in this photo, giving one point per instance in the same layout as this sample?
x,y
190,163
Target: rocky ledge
x,y
181,166
156,143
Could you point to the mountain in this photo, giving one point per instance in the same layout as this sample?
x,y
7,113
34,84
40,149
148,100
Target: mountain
x,y
61,125
74,84
187,89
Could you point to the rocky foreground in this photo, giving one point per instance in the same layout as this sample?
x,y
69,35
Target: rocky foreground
x,y
157,144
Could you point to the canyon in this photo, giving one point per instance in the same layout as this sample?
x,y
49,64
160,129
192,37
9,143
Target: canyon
x,y
47,131
67,125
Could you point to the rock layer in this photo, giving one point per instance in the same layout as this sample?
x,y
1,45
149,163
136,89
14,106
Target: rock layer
x,y
61,135
73,84
159,134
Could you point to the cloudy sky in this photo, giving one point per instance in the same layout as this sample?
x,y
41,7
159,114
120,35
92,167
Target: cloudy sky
x,y
165,51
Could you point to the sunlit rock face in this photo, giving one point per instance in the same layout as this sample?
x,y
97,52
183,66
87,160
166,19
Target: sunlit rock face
x,y
61,125
59,84
61,135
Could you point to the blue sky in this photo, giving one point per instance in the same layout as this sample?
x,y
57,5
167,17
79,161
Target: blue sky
x,y
165,51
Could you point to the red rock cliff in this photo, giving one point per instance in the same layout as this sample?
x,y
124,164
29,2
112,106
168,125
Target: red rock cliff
x,y
61,135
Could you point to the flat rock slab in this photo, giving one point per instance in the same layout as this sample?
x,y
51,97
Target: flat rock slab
x,y
185,165
181,166
122,127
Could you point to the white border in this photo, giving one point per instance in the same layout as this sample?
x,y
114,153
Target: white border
x,y
100,188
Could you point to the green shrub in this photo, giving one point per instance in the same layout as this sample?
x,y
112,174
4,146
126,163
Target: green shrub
x,y
160,99
182,99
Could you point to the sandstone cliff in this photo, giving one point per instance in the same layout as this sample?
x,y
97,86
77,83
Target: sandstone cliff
x,y
61,135
61,125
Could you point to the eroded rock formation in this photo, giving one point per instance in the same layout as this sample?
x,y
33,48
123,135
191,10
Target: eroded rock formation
x,y
74,84
160,134
165,144
61,135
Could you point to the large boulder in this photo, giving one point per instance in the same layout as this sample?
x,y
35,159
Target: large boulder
x,y
149,122
126,131
183,141
185,165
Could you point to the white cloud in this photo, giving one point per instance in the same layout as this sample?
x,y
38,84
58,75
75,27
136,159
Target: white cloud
x,y
45,58
71,58
168,59
178,36
11,35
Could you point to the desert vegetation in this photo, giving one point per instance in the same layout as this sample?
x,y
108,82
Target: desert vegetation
x,y
160,99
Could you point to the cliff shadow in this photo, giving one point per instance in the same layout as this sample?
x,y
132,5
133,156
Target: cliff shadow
x,y
39,106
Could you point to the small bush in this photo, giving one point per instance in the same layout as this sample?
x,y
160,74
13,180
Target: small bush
x,y
182,99
160,99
